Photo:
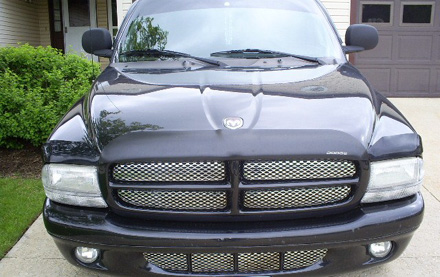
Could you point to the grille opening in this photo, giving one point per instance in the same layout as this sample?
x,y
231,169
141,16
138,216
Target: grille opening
x,y
170,172
168,261
297,170
212,262
252,262
291,198
173,185
259,262
300,259
175,200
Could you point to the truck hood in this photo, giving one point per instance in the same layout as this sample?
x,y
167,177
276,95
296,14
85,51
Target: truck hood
x,y
311,110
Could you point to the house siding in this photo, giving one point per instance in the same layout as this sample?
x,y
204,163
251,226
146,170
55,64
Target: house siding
x,y
44,24
339,11
102,13
19,22
123,6
102,18
126,4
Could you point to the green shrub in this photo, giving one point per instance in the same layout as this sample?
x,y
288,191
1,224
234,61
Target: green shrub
x,y
37,87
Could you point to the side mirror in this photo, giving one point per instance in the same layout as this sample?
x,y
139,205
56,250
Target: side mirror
x,y
360,37
98,41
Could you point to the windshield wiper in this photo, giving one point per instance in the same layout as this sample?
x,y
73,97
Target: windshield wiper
x,y
259,53
169,53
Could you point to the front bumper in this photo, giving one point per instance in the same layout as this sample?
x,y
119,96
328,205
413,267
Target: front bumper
x,y
122,241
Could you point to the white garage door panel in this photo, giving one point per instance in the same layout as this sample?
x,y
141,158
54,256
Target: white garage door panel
x,y
407,60
407,51
413,80
408,81
381,77
437,42
438,80
382,53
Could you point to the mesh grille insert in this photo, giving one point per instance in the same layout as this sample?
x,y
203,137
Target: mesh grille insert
x,y
297,170
157,172
300,259
239,262
175,200
212,262
254,262
168,186
294,198
168,261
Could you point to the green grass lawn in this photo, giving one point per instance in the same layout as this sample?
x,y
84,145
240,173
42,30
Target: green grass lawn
x,y
21,201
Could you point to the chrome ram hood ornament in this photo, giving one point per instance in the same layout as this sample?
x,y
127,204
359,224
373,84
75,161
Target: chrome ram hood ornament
x,y
233,123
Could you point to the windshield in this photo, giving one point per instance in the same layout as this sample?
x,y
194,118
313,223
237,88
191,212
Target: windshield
x,y
203,28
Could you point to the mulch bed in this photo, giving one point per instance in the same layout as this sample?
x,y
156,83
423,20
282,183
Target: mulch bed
x,y
26,162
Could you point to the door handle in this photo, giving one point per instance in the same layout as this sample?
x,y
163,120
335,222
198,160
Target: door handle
x,y
65,30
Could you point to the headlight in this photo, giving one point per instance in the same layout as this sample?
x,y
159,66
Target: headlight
x,y
394,179
73,184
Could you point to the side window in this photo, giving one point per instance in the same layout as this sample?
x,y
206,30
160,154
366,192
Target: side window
x,y
79,13
417,13
57,19
114,14
112,17
377,12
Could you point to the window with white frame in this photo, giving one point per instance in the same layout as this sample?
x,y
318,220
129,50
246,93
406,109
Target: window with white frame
x,y
116,13
375,12
417,13
112,16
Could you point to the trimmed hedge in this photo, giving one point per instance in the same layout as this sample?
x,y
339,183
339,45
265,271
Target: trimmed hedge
x,y
37,87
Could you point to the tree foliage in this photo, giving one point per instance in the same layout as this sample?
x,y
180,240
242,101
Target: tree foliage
x,y
142,35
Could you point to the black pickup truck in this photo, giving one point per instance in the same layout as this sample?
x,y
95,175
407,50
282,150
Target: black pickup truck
x,y
231,138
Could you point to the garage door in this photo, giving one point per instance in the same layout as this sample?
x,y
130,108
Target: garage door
x,y
407,59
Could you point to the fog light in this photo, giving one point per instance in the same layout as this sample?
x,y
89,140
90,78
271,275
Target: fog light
x,y
380,249
87,255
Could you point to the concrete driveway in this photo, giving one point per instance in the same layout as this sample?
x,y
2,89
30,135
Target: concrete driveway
x,y
36,254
